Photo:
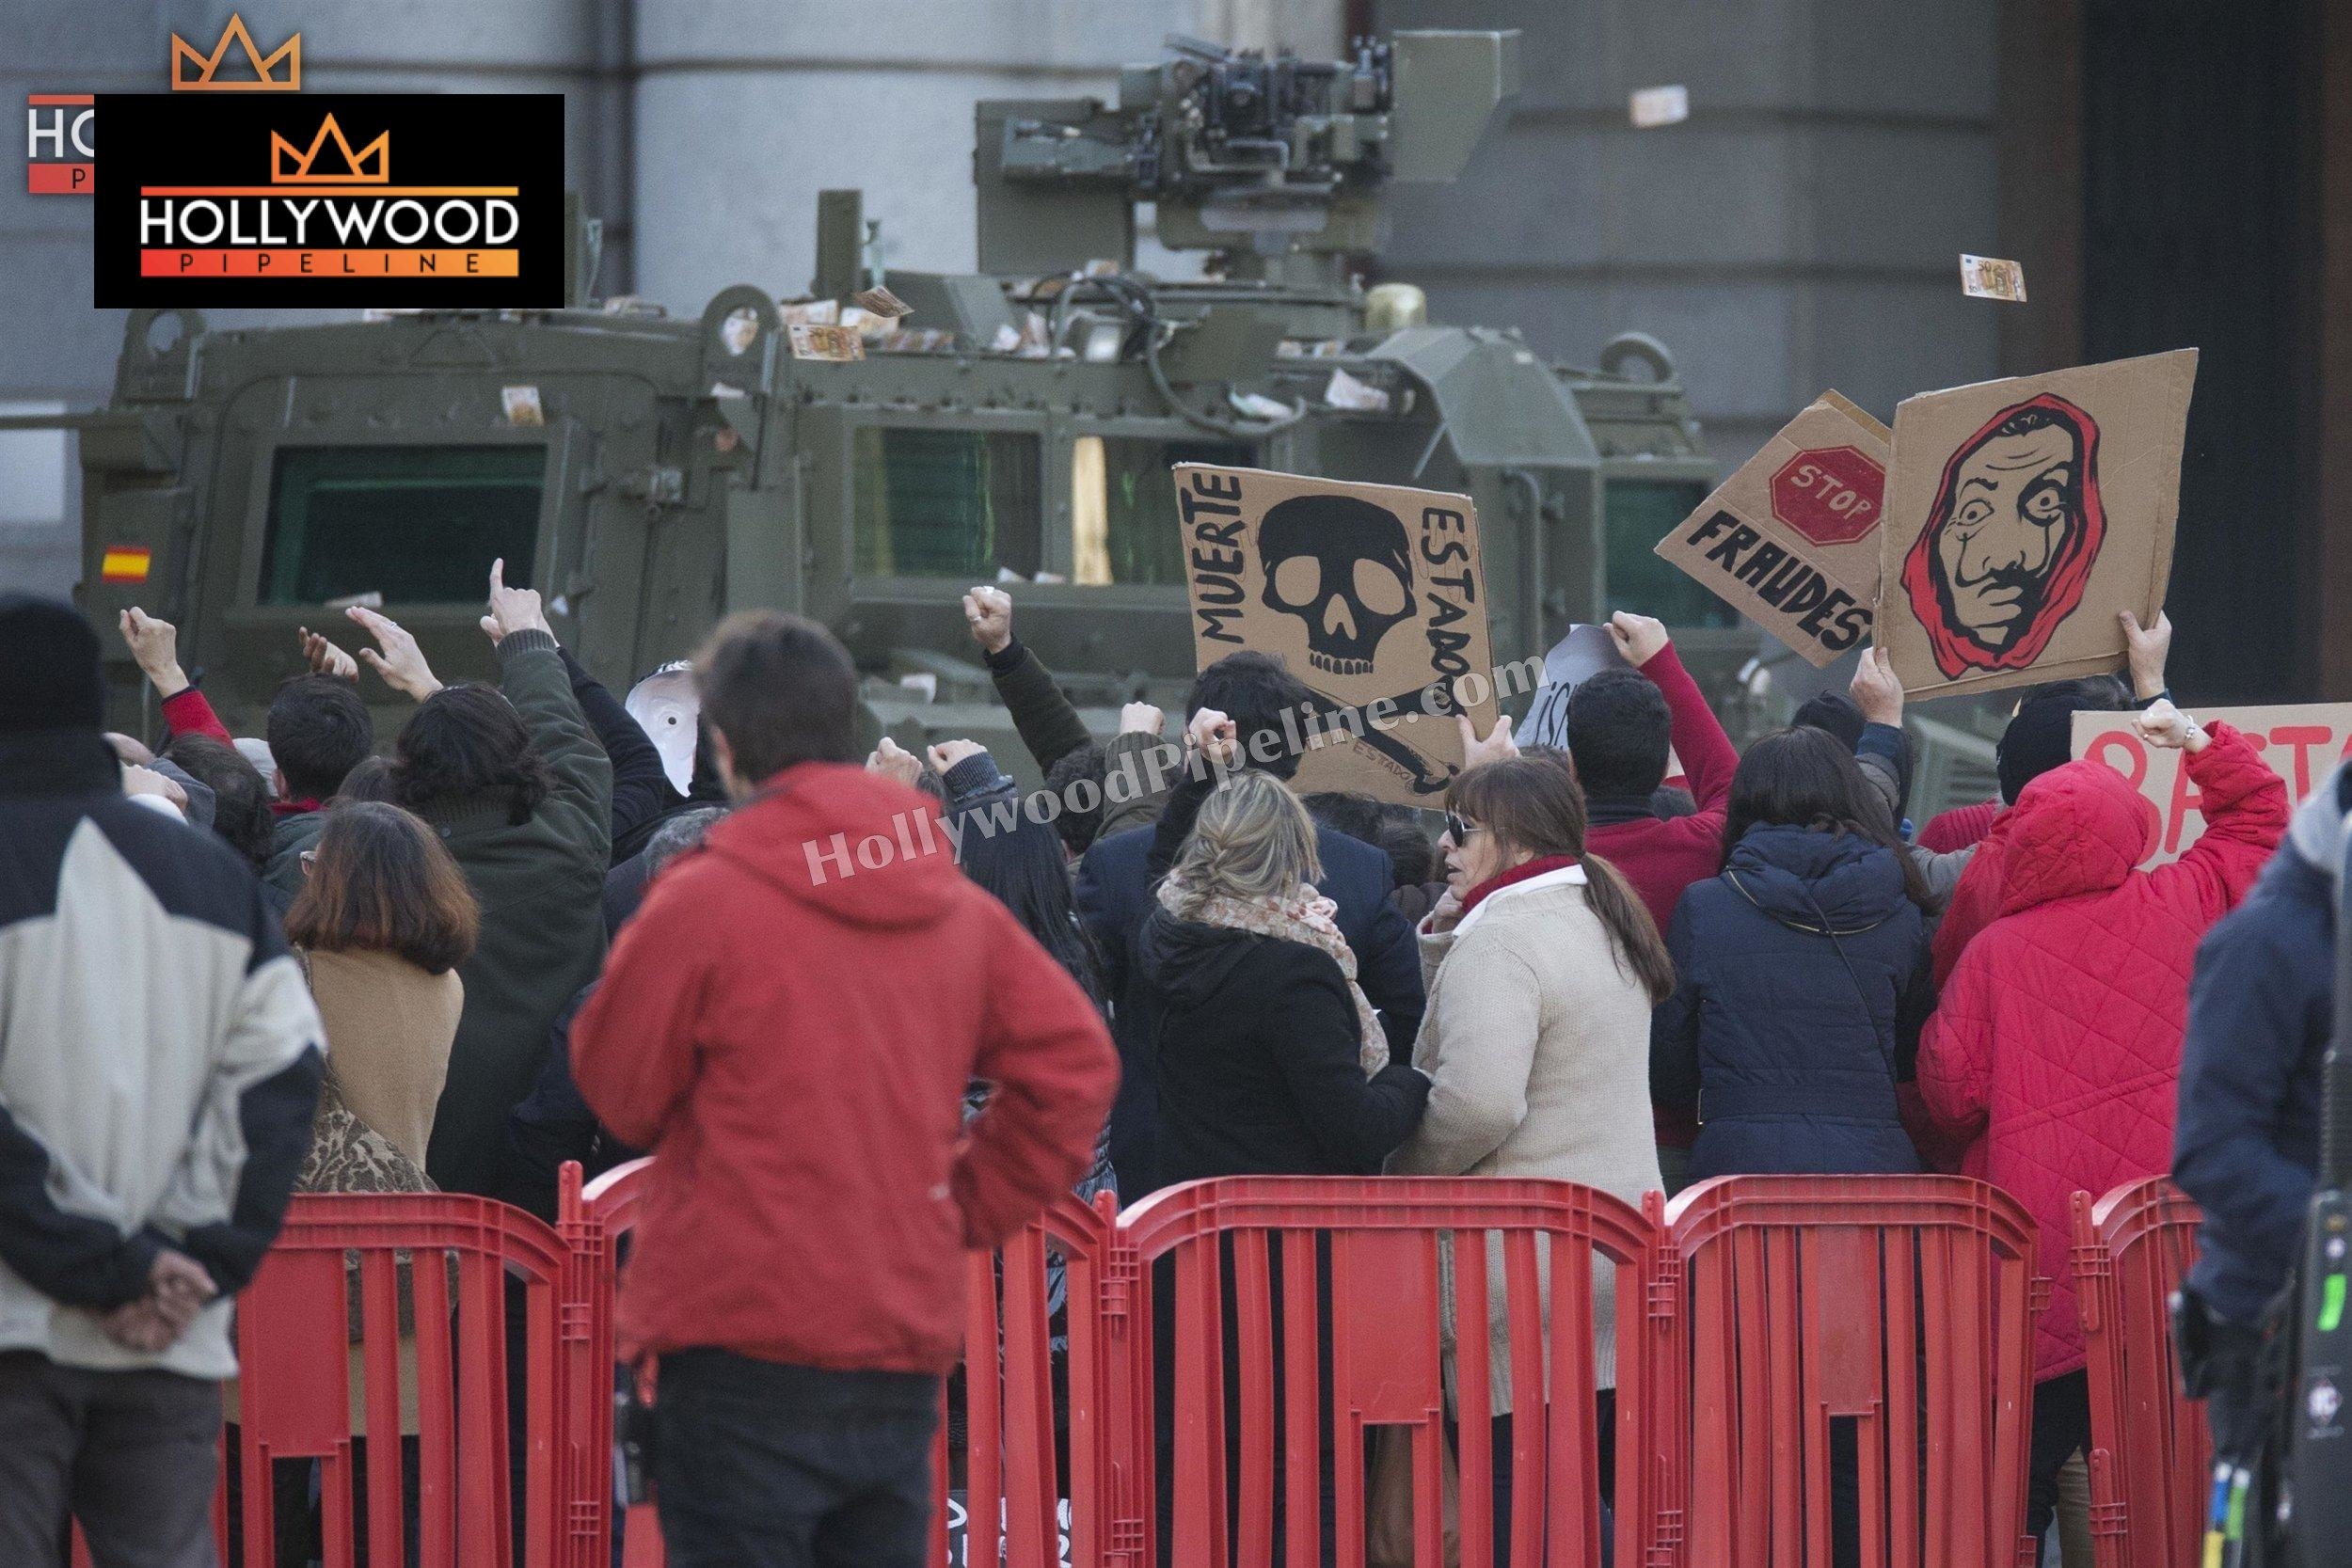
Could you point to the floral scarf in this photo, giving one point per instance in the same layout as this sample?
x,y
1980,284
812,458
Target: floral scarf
x,y
1303,917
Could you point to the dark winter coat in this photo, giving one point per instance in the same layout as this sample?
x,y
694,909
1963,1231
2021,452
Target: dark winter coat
x,y
1802,981
1258,1050
540,883
2259,1010
1115,899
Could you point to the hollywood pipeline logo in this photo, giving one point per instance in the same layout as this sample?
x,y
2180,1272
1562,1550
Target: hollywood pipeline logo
x,y
62,128
396,200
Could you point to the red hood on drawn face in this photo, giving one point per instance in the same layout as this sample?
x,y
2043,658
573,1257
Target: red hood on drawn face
x,y
1955,653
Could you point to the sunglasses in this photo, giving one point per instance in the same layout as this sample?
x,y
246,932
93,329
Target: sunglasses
x,y
1459,829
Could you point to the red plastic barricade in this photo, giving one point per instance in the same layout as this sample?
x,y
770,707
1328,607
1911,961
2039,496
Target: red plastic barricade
x,y
1359,1277
1778,1344
2150,1454
375,1321
1898,1307
1001,1490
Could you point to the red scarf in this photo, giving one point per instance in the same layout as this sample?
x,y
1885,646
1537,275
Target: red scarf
x,y
1525,871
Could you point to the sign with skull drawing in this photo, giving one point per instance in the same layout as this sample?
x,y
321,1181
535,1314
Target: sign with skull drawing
x,y
2023,515
1372,593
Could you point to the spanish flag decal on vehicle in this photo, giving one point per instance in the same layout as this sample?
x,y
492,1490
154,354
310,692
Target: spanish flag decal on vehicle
x,y
124,563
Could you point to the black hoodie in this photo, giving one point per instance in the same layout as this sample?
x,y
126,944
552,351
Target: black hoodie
x,y
1258,1059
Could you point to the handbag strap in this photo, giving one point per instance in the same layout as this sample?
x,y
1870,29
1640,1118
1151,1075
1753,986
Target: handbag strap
x,y
1828,929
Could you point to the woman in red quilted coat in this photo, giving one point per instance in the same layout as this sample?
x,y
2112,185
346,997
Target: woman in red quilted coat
x,y
2056,1048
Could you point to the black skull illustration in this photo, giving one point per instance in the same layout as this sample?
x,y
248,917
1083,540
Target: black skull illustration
x,y
1341,565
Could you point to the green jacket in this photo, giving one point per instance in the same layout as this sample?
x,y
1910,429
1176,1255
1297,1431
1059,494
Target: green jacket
x,y
540,884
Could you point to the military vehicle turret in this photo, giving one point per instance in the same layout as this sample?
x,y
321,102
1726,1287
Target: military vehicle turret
x,y
650,474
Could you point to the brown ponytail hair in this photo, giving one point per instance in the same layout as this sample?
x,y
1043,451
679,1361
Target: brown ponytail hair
x,y
1536,805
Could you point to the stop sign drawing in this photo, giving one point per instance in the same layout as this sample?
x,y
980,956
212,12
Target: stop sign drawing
x,y
1831,494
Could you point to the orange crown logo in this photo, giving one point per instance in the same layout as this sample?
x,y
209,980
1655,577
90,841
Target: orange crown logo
x,y
371,165
206,68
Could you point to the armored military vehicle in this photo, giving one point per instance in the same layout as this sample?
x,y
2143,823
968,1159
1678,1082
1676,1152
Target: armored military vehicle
x,y
651,474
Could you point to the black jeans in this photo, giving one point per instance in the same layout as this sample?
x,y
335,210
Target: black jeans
x,y
759,1465
2061,1429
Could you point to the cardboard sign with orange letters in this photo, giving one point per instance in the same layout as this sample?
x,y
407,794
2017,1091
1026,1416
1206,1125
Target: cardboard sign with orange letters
x,y
2302,743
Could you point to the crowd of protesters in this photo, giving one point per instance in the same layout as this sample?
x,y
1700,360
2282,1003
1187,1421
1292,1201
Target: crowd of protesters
x,y
522,935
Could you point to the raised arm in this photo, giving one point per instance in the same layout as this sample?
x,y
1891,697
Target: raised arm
x,y
1708,759
1885,760
1046,720
2245,805
1213,743
531,673
641,790
1137,766
155,646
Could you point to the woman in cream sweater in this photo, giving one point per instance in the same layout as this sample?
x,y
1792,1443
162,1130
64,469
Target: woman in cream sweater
x,y
1542,968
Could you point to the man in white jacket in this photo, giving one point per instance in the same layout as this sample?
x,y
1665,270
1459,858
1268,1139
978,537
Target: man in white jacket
x,y
159,1066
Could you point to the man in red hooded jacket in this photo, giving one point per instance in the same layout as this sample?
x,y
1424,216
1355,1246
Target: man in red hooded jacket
x,y
789,1025
2055,1047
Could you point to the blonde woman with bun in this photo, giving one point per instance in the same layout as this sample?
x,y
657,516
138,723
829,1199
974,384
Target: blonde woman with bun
x,y
1271,1062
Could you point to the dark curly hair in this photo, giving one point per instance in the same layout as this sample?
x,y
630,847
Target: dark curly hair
x,y
241,813
467,741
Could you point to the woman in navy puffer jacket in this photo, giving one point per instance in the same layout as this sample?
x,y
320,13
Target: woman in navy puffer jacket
x,y
1804,977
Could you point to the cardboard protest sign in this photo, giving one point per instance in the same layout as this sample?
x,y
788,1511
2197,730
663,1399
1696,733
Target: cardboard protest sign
x,y
1790,540
2301,743
2022,514
1372,593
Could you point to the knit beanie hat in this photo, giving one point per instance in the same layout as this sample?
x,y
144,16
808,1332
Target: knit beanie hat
x,y
50,675
2041,737
1834,712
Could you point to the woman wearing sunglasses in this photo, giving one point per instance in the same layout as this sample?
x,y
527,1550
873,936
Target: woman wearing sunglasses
x,y
1542,967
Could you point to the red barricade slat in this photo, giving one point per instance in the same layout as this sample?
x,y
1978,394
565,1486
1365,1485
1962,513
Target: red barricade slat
x,y
304,1334
1386,1322
2151,1452
1789,1321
